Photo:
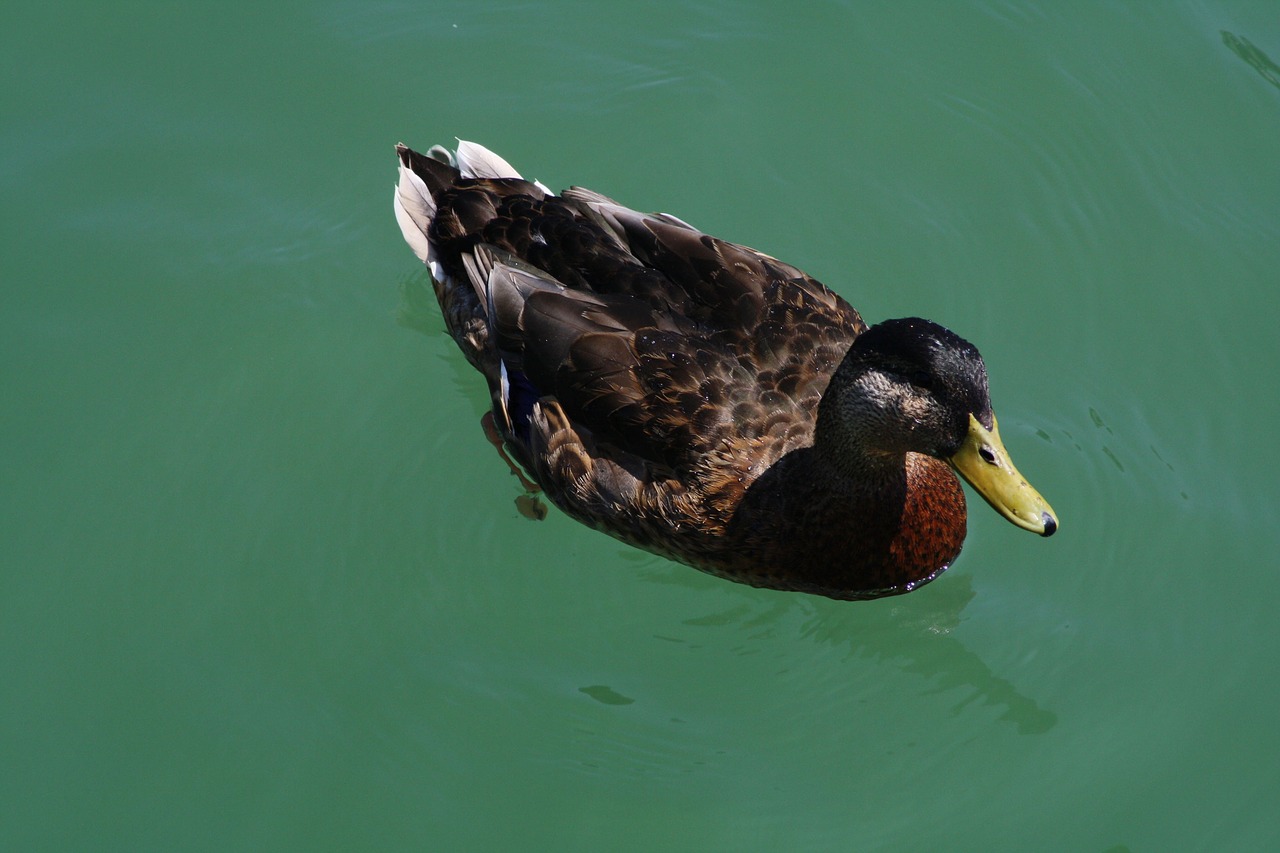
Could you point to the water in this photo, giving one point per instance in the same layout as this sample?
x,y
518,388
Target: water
x,y
264,586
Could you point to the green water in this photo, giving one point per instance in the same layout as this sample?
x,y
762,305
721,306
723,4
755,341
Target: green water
x,y
263,583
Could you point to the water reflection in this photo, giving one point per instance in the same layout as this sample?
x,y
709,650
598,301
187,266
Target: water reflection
x,y
419,311
912,633
1249,52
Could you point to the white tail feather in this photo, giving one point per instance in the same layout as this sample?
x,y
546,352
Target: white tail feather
x,y
414,209
476,161
412,235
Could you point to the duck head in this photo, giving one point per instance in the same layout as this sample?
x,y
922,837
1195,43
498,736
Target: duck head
x,y
912,386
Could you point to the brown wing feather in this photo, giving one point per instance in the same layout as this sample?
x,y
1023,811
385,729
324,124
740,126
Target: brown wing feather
x,y
696,355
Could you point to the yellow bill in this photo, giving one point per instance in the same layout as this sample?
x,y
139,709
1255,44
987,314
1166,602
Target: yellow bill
x,y
984,463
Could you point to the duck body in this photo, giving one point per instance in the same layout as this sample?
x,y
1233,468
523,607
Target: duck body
x,y
702,400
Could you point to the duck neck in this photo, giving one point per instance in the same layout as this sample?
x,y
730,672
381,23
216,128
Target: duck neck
x,y
850,436
901,521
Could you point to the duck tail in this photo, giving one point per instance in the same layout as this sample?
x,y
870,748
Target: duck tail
x,y
476,161
422,178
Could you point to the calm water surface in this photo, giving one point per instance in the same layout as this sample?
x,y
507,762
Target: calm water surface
x,y
264,586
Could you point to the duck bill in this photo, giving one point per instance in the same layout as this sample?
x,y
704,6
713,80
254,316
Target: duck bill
x,y
985,465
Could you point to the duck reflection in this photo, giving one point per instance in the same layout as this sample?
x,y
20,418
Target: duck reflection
x,y
1250,53
912,633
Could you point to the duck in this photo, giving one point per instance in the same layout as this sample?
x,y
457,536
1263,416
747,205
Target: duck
x,y
702,400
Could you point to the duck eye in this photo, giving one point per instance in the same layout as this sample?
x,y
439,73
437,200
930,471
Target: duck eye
x,y
921,379
987,454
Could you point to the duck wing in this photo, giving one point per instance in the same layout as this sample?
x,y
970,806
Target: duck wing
x,y
671,352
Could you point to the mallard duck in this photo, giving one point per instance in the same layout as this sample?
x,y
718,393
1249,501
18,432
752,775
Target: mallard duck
x,y
702,400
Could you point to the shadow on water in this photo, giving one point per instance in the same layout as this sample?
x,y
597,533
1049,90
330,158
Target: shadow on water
x,y
418,309
918,641
1249,52
912,633
419,312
